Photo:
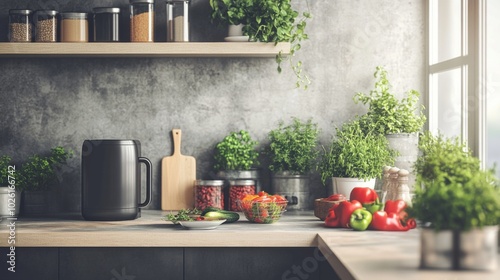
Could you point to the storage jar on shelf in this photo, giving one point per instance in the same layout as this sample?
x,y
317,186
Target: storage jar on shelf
x,y
45,25
106,24
177,20
74,27
142,20
20,25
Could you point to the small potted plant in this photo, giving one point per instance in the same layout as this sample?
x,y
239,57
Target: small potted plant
x,y
232,13
354,159
400,120
293,153
458,204
267,21
236,157
36,176
10,196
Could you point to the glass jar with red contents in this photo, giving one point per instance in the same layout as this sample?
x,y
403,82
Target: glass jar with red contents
x,y
237,190
208,193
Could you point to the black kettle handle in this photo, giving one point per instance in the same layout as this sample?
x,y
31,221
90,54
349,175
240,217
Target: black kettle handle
x,y
149,174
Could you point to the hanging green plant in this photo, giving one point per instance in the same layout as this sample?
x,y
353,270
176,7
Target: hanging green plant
x,y
268,21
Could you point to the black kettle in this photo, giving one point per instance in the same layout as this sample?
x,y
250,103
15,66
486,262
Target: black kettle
x,y
111,180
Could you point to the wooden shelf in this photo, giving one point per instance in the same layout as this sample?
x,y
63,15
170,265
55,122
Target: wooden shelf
x,y
188,49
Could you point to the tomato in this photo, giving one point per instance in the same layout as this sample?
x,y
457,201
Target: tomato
x,y
263,213
262,193
262,199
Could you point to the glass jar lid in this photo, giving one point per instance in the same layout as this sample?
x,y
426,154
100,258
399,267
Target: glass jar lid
x,y
242,182
73,15
106,10
142,1
46,12
209,182
20,12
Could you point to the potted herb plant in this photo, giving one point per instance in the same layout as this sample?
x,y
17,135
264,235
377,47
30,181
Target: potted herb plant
x,y
400,120
232,13
354,159
458,204
293,153
36,176
236,157
10,196
267,21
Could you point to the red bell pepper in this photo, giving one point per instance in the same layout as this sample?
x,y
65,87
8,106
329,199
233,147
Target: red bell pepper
x,y
397,206
382,220
363,195
368,197
340,214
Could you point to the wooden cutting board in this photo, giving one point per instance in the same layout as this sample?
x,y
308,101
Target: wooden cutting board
x,y
178,175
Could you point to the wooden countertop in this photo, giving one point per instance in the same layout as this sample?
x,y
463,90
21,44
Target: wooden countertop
x,y
353,255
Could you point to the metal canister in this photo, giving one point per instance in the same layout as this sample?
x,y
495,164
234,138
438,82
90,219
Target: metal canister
x,y
106,24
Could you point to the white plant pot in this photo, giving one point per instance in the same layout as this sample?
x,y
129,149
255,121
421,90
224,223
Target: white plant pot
x,y
345,185
235,30
235,34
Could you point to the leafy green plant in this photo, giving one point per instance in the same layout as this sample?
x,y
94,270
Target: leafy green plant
x,y
231,12
268,21
355,154
386,114
293,147
4,170
452,191
237,151
39,172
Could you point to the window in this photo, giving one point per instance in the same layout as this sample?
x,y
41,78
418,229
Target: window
x,y
463,84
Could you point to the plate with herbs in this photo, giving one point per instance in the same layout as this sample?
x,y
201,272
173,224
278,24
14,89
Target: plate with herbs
x,y
192,219
201,224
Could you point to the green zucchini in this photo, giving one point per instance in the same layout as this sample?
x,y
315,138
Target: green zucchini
x,y
229,216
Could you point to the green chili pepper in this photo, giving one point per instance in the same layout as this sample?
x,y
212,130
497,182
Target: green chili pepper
x,y
374,206
360,219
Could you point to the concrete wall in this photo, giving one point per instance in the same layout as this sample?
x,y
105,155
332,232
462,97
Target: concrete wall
x,y
63,101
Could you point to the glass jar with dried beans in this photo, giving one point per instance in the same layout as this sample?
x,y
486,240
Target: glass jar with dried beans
x,y
237,190
20,25
208,193
45,26
142,20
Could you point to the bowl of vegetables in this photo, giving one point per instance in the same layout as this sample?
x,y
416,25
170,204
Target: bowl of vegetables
x,y
262,208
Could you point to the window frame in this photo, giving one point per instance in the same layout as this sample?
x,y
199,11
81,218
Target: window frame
x,y
472,63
